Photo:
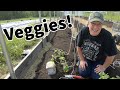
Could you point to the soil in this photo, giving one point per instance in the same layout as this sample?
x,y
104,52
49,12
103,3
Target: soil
x,y
62,41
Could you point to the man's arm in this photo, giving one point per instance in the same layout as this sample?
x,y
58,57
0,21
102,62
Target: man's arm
x,y
80,54
102,68
83,62
108,61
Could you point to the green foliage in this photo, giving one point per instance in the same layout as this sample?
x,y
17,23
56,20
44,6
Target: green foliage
x,y
66,68
104,75
112,15
8,15
86,14
59,57
15,49
117,77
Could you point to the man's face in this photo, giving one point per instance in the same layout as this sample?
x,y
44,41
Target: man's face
x,y
94,28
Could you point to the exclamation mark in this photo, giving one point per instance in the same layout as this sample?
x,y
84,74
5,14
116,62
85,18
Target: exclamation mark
x,y
68,19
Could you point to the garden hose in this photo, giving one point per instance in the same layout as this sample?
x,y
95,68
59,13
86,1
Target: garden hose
x,y
69,46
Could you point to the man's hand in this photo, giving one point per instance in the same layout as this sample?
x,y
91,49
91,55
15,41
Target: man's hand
x,y
99,68
102,68
83,64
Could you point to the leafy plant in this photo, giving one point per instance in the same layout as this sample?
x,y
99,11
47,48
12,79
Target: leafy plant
x,y
66,67
15,49
104,75
59,57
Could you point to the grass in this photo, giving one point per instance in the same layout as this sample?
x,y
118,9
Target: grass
x,y
15,50
112,16
86,14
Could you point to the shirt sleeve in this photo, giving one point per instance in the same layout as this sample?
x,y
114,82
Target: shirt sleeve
x,y
110,46
79,39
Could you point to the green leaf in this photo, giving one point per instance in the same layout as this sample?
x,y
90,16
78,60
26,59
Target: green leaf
x,y
62,58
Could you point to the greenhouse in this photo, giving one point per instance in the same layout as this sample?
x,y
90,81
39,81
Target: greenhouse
x,y
43,44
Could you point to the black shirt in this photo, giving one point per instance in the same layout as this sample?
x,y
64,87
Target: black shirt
x,y
96,47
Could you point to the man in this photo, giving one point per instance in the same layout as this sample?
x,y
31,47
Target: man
x,y
95,47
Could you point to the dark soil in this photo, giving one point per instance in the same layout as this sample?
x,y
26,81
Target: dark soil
x,y
61,40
